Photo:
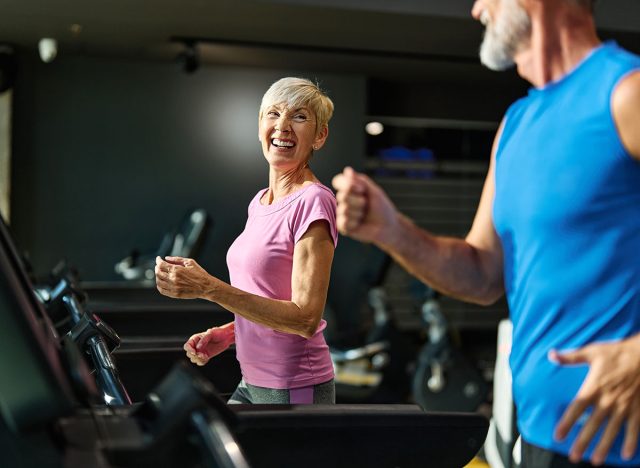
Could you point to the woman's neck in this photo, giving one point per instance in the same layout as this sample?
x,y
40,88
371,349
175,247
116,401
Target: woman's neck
x,y
283,183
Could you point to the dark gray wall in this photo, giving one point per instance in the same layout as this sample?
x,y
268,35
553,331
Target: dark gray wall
x,y
108,154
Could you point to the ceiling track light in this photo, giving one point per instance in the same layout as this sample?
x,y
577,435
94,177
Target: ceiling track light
x,y
344,51
48,49
189,59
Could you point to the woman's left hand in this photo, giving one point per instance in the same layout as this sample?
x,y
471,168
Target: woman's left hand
x,y
182,278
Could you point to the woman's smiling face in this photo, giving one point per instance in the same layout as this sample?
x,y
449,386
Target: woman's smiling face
x,y
288,136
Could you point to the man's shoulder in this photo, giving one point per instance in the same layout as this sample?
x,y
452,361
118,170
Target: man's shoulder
x,y
625,107
620,57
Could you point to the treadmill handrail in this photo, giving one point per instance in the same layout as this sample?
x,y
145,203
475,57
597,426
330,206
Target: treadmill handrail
x,y
218,441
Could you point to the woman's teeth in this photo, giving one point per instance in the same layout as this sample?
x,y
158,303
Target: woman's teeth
x,y
280,143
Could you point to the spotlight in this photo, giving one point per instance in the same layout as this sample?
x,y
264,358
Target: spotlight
x,y
48,49
374,128
188,58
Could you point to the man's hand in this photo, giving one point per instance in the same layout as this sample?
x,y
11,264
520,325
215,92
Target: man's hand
x,y
183,278
612,390
203,346
364,210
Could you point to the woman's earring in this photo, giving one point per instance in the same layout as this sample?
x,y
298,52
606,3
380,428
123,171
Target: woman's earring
x,y
315,148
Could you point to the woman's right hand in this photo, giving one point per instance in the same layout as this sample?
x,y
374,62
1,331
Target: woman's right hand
x,y
203,346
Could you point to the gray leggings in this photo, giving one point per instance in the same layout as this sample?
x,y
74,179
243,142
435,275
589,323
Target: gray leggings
x,y
324,393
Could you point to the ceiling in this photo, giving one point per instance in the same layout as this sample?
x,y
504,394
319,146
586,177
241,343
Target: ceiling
x,y
376,37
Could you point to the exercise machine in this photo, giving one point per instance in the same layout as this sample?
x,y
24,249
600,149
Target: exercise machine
x,y
52,414
379,371
502,447
444,379
65,305
184,241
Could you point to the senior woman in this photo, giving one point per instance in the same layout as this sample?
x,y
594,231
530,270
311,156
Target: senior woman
x,y
279,266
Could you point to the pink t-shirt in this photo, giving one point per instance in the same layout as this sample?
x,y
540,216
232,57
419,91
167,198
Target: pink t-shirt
x,y
260,262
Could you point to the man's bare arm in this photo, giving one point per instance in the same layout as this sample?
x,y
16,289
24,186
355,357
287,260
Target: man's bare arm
x,y
469,269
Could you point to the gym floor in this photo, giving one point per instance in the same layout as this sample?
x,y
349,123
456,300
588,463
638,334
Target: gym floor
x,y
477,463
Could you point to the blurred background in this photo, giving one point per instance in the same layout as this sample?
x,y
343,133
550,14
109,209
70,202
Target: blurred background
x,y
133,113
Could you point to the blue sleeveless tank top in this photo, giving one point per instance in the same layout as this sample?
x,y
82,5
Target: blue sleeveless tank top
x,y
567,211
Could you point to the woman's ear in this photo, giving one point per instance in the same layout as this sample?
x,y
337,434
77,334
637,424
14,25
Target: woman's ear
x,y
321,137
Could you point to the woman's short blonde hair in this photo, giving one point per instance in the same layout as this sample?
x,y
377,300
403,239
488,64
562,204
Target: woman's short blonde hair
x,y
296,93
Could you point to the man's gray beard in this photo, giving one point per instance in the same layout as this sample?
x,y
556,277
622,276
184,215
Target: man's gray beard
x,y
504,36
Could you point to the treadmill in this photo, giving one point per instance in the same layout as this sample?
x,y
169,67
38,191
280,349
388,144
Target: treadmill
x,y
51,413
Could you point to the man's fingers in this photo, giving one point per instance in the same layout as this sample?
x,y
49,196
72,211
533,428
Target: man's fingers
x,y
349,221
338,182
606,440
351,199
343,180
577,407
587,433
570,416
351,211
350,224
348,172
632,432
579,356
355,208
348,181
